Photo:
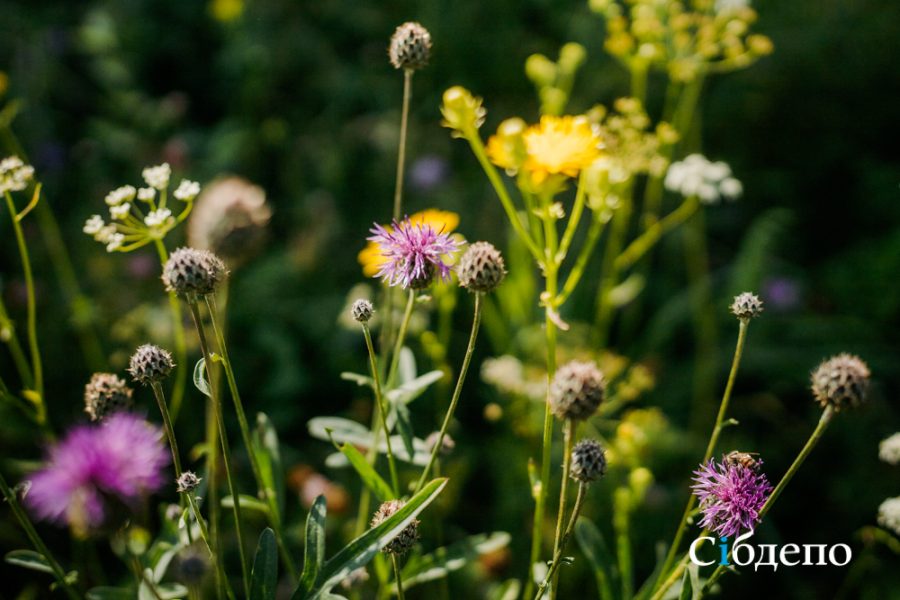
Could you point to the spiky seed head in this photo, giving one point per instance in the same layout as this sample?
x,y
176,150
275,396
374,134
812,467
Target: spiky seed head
x,y
746,306
447,443
481,268
187,482
150,364
841,382
190,272
577,390
410,46
404,540
362,311
588,461
105,394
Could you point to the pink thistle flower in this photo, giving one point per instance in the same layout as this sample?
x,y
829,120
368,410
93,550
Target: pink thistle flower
x,y
97,469
731,495
413,253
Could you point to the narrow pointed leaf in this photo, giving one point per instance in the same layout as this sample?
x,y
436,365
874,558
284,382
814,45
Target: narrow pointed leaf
x,y
367,473
29,559
414,388
443,561
268,455
264,577
315,545
200,380
404,428
597,553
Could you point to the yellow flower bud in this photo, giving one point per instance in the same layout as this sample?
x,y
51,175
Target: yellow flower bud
x,y
462,111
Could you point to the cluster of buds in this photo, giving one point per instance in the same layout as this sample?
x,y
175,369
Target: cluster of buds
x,y
462,112
141,216
15,175
689,38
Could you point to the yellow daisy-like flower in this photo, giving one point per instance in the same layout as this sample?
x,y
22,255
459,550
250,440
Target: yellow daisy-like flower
x,y
371,257
559,146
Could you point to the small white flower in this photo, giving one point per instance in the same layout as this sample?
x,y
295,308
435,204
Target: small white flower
x,y
106,233
14,174
187,190
158,176
723,6
889,449
10,163
731,188
889,514
146,194
697,176
93,225
119,195
157,217
114,242
121,211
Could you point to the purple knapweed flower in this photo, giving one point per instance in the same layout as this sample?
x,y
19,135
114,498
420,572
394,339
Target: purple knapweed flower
x,y
97,470
414,253
731,495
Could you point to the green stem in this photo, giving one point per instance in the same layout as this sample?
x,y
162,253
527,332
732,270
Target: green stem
x,y
587,250
267,493
638,70
621,524
457,391
379,400
610,276
35,351
35,539
557,556
167,422
401,153
713,440
572,225
397,577
641,245
15,348
401,337
568,442
178,339
223,440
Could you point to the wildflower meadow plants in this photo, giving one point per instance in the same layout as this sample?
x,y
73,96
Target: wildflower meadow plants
x,y
588,197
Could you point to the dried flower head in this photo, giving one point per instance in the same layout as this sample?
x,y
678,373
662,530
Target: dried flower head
x,y
105,394
414,253
187,482
730,495
230,219
191,272
577,390
588,461
841,382
150,364
447,443
404,540
746,306
889,514
362,310
481,268
14,174
410,46
96,471
889,449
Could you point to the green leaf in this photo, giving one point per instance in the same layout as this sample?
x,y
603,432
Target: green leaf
x,y
626,291
367,473
248,502
595,550
404,428
264,576
508,590
268,455
200,380
361,550
691,586
314,554
171,591
406,366
442,561
109,593
340,430
29,559
409,391
358,379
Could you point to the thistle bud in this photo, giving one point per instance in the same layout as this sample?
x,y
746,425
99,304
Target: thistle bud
x,y
481,268
588,461
577,390
746,306
105,394
362,311
841,382
404,540
190,272
150,364
187,482
410,46
462,112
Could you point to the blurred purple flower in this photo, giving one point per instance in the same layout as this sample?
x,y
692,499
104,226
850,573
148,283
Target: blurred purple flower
x,y
428,172
142,266
413,252
730,496
782,293
96,470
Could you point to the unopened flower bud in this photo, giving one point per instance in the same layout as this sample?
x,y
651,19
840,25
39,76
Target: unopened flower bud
x,y
462,111
190,272
410,46
150,364
187,482
105,394
588,461
481,268
841,382
362,311
577,390
746,306
404,540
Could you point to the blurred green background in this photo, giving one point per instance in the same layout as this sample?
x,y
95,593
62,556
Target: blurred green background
x,y
299,98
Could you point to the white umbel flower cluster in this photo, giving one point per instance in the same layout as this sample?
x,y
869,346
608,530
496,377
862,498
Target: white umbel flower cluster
x,y
698,176
889,449
119,195
157,217
14,174
158,176
889,514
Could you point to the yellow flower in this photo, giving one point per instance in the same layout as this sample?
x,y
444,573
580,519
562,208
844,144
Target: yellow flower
x,y
506,148
559,146
371,257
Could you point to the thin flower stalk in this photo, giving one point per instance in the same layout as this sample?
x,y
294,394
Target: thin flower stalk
x,y
382,409
22,517
398,576
401,151
179,340
223,440
454,400
556,562
568,442
268,494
